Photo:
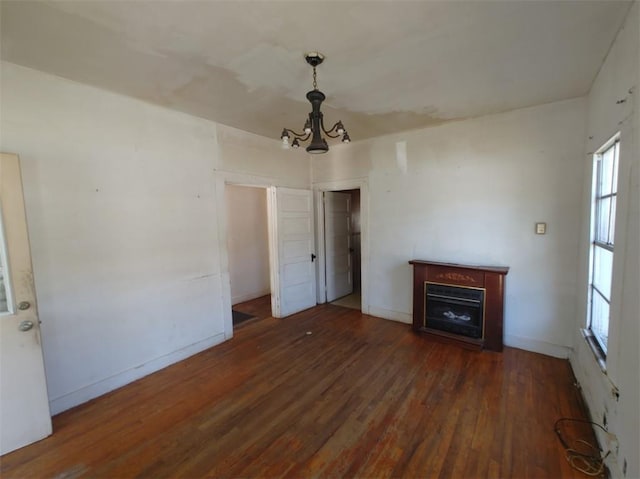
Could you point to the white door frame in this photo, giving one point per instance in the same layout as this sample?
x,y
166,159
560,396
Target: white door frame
x,y
353,184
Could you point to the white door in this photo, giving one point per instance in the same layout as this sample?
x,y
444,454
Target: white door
x,y
24,405
293,275
337,234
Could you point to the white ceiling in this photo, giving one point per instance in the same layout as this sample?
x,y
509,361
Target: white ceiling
x,y
391,65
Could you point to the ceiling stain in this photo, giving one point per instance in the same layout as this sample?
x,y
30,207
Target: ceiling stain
x,y
388,69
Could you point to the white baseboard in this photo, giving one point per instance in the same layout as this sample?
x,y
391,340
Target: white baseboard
x,y
241,298
537,346
84,394
528,344
406,318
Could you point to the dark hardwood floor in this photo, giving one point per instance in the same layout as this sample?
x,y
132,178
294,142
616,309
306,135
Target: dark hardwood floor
x,y
325,393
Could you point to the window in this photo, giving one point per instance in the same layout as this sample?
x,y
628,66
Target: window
x,y
5,297
603,217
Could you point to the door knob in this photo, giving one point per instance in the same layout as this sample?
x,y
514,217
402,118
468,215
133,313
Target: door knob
x,y
24,305
25,325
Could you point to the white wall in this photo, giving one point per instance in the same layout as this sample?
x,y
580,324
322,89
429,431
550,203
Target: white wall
x,y
611,108
471,192
125,206
247,242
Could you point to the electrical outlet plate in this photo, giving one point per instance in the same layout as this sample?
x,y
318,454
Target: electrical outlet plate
x,y
541,228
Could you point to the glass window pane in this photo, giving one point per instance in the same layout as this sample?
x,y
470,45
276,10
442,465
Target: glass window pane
x,y
4,307
602,220
606,172
612,220
4,280
614,188
600,319
602,268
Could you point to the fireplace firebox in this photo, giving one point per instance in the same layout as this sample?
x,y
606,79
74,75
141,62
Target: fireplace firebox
x,y
460,304
455,309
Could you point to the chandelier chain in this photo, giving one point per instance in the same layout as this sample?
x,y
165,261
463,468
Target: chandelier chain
x,y
315,82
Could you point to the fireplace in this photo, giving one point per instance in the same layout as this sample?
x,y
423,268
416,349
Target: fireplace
x,y
461,304
455,309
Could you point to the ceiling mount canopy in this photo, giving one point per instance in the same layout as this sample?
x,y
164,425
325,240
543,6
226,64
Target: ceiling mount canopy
x,y
314,126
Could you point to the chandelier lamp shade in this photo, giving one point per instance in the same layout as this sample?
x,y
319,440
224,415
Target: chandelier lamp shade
x,y
314,126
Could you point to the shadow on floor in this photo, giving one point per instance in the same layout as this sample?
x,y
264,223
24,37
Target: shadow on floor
x,y
239,317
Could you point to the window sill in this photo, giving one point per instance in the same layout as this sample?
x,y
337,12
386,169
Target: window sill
x,y
595,349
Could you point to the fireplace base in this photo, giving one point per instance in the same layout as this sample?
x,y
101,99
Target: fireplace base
x,y
488,279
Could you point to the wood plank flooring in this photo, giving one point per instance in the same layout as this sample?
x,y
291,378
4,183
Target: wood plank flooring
x,y
328,392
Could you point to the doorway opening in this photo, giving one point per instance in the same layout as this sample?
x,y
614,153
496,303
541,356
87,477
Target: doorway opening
x,y
342,247
248,252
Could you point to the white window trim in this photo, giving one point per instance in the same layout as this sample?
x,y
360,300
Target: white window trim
x,y
587,332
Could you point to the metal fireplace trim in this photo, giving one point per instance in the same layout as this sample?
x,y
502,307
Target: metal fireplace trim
x,y
451,285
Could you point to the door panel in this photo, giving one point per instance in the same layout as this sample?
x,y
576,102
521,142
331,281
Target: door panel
x,y
24,405
291,224
337,225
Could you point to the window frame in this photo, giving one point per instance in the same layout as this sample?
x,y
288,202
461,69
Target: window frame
x,y
597,342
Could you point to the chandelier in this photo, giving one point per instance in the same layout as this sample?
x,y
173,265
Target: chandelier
x,y
314,126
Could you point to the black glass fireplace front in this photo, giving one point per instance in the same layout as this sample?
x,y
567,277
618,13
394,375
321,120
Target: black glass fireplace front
x,y
454,309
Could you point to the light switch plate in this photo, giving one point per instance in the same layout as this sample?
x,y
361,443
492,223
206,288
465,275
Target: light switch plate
x,y
541,228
